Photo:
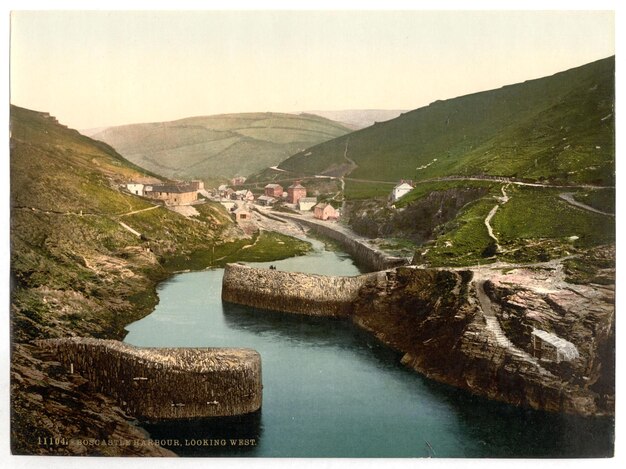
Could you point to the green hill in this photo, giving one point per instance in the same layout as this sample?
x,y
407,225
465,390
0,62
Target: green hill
x,y
76,270
222,145
554,131
559,128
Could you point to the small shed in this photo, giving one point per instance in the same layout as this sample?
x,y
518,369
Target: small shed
x,y
550,347
266,200
242,214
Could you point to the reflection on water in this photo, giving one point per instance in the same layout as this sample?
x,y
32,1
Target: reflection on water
x,y
331,390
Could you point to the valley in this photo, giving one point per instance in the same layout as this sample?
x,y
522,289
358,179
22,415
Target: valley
x,y
489,220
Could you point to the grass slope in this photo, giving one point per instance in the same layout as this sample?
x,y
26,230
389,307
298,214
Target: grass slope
x,y
76,271
222,145
557,128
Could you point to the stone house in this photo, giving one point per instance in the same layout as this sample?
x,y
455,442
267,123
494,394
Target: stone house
x,y
274,190
402,189
550,347
323,211
295,192
306,203
237,180
172,194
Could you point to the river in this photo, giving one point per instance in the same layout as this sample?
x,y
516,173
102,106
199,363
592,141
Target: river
x,y
331,390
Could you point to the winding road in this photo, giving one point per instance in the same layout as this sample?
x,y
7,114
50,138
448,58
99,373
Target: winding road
x,y
569,198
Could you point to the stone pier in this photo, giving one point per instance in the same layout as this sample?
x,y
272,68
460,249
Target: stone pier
x,y
293,292
166,383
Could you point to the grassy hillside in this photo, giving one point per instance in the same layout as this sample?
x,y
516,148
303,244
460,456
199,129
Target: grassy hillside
x,y
558,128
76,271
222,145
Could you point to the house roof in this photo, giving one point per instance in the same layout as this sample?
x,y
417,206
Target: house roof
x,y
310,200
268,198
568,349
297,186
241,209
273,186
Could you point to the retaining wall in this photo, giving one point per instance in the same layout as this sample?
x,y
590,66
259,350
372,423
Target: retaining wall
x,y
365,255
166,383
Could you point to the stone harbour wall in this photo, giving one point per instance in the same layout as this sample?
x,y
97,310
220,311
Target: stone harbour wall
x,y
441,320
295,292
369,257
166,383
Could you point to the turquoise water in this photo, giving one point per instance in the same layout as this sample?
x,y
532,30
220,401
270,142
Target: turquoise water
x,y
330,390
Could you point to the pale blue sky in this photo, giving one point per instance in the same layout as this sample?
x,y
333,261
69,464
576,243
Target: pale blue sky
x,y
99,68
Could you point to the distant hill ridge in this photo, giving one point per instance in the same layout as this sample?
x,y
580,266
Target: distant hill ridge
x,y
225,145
559,127
359,118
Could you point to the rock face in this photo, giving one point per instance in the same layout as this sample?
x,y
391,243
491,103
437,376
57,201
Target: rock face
x,y
451,327
166,383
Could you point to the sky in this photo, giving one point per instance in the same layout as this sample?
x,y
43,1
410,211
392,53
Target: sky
x,y
99,68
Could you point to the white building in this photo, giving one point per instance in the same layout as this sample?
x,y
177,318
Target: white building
x,y
135,188
306,203
401,190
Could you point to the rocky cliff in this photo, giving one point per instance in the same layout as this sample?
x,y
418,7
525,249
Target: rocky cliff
x,y
455,327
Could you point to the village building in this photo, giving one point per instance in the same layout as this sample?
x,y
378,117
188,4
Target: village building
x,y
550,347
135,188
324,211
306,203
237,180
242,214
172,194
266,200
244,194
197,184
274,190
402,189
295,192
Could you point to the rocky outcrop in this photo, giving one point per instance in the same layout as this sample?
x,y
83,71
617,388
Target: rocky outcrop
x,y
166,383
449,326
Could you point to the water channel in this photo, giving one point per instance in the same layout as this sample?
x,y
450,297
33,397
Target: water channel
x,y
331,390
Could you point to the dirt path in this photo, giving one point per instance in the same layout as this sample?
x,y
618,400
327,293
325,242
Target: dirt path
x,y
493,325
569,198
139,211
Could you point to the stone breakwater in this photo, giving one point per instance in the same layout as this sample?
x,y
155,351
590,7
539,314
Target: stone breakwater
x,y
166,383
453,329
368,256
292,292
